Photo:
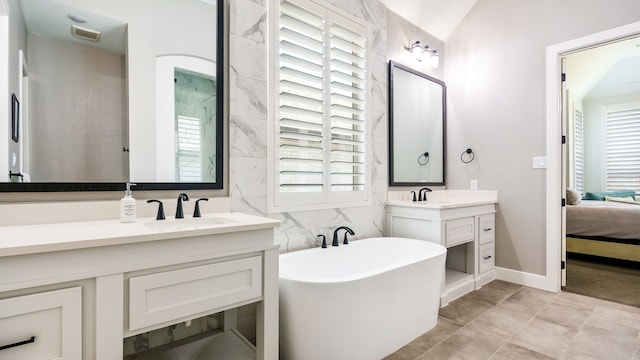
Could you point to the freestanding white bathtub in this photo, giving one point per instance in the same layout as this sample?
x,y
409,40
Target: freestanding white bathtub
x,y
364,300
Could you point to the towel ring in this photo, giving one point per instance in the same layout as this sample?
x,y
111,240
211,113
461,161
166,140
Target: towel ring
x,y
423,159
471,156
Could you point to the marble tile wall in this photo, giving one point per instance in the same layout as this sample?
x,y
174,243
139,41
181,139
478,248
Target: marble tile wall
x,y
248,103
195,96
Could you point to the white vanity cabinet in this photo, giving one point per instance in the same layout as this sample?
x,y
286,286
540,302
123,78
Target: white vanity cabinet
x,y
81,288
465,228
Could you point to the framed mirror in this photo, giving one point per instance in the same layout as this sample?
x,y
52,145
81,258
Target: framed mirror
x,y
417,127
113,92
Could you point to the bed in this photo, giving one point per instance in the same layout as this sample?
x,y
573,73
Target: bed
x,y
604,228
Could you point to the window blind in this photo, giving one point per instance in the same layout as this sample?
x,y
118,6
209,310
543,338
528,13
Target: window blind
x,y
188,153
321,135
623,148
578,150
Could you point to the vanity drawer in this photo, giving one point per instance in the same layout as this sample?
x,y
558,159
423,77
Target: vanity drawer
x,y
486,257
173,295
42,326
459,231
487,228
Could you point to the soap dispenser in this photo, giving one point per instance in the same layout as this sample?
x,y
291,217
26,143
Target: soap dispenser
x,y
128,206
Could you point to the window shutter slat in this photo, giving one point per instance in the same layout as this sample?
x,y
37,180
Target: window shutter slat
x,y
579,150
188,154
623,147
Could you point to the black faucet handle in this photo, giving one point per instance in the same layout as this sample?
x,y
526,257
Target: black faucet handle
x,y
196,211
345,241
414,195
324,241
160,215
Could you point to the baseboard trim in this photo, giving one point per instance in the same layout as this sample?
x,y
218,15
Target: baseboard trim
x,y
524,278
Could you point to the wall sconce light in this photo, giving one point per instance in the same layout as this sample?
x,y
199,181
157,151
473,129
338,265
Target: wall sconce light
x,y
424,53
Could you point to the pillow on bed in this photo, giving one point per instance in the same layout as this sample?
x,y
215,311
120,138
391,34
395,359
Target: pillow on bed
x,y
628,199
573,197
601,195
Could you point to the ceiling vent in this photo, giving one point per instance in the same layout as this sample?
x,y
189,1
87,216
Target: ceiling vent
x,y
85,34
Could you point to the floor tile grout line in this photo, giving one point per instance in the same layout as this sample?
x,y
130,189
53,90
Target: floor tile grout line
x,y
493,306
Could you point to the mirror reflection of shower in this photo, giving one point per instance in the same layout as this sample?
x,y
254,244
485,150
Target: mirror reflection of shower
x,y
186,115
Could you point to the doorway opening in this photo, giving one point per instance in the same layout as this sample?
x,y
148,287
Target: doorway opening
x,y
601,167
556,213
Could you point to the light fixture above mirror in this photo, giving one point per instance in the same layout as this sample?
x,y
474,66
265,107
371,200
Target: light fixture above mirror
x,y
424,53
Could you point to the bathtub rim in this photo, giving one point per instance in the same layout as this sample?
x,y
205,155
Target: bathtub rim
x,y
439,250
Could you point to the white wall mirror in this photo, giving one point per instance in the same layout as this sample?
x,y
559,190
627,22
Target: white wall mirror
x,y
113,92
417,125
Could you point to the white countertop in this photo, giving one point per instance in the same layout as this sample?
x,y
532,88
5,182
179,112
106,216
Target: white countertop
x,y
445,199
31,239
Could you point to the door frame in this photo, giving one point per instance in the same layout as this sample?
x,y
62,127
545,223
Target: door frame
x,y
4,90
554,134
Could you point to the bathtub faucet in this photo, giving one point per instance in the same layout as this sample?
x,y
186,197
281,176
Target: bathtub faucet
x,y
335,235
423,197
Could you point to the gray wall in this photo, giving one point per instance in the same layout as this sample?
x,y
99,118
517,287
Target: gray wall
x,y
495,75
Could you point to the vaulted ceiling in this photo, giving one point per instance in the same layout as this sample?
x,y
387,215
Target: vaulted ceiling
x,y
437,17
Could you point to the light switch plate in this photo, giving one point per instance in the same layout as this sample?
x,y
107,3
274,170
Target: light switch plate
x,y
539,162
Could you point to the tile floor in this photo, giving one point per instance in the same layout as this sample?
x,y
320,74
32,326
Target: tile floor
x,y
508,321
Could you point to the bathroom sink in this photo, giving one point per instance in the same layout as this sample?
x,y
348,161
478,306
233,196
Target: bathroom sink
x,y
189,223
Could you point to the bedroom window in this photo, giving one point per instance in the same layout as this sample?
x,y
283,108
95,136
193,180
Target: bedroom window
x,y
578,150
623,147
320,131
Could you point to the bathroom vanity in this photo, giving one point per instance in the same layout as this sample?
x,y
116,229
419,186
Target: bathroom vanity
x,y
463,222
75,290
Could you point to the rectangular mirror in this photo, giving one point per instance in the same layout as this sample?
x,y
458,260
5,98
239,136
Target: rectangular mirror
x,y
417,124
113,92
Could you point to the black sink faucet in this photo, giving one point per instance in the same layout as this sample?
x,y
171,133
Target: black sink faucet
x,y
179,212
335,235
422,197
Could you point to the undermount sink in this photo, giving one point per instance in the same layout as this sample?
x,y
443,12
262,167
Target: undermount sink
x,y
188,223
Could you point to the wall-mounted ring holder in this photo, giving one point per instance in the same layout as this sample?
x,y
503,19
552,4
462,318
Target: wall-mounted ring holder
x,y
423,159
467,156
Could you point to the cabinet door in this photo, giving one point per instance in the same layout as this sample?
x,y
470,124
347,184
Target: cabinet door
x,y
487,228
42,326
486,257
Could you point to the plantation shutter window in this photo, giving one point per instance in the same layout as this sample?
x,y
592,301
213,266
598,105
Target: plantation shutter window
x,y
320,140
188,149
578,150
623,147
